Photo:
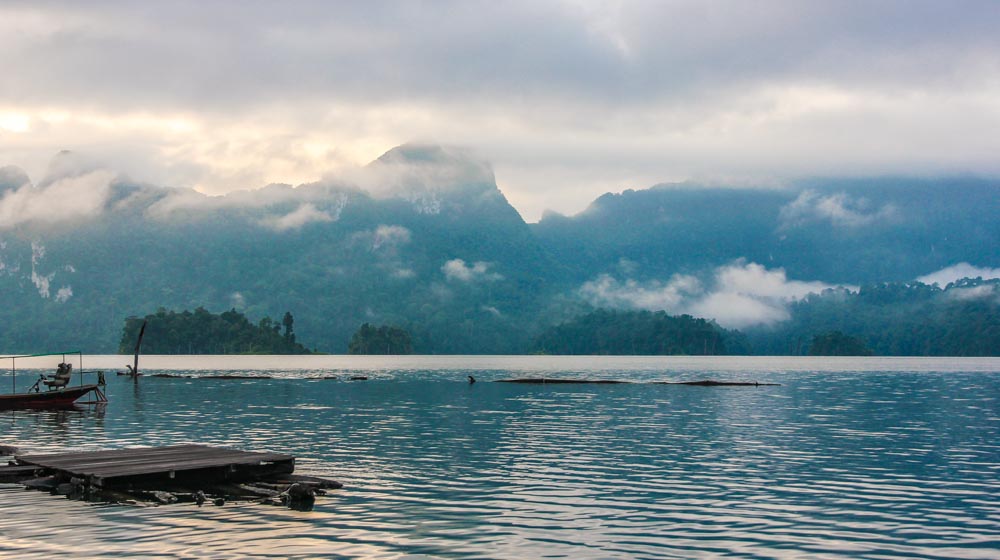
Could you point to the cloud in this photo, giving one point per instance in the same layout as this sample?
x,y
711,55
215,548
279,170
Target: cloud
x,y
384,239
43,282
332,198
736,310
305,214
237,301
606,291
840,209
569,99
422,174
390,236
978,292
421,167
752,279
12,178
958,271
458,271
737,295
59,199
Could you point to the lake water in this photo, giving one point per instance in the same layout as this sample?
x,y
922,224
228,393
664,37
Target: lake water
x,y
847,458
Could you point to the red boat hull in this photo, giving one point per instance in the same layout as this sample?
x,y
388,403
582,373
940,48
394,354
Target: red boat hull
x,y
45,399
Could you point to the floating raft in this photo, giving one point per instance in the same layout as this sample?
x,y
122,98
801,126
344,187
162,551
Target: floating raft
x,y
122,468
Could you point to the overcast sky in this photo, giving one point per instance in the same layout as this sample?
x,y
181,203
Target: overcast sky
x,y
567,99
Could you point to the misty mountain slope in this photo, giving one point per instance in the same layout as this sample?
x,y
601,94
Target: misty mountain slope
x,y
662,231
431,243
422,238
842,231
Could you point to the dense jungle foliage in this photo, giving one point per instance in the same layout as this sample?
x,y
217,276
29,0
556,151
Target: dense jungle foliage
x,y
605,332
384,340
202,332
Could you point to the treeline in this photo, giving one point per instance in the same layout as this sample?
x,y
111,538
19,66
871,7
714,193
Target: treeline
x,y
891,319
605,332
202,332
894,319
383,340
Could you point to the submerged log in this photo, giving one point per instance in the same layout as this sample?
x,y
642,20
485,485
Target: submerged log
x,y
561,381
214,376
315,481
235,376
713,383
548,381
17,473
46,483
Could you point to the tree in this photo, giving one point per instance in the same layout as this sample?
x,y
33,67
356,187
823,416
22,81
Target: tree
x,y
384,340
202,332
836,343
605,332
288,321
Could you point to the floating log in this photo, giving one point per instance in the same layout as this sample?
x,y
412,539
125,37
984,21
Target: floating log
x,y
16,473
551,381
713,383
562,381
213,376
8,450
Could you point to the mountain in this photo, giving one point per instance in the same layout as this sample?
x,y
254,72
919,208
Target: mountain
x,y
432,244
423,239
850,231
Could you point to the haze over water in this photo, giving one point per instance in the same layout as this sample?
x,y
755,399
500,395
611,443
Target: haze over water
x,y
876,457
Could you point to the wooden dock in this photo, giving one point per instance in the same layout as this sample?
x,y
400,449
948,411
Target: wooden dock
x,y
124,468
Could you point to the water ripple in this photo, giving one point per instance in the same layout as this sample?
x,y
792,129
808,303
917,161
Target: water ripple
x,y
838,464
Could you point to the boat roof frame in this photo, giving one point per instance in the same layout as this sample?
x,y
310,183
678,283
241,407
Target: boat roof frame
x,y
13,364
77,352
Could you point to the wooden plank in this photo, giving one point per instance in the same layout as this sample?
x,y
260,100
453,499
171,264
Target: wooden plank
x,y
187,463
109,453
86,462
151,461
13,474
146,454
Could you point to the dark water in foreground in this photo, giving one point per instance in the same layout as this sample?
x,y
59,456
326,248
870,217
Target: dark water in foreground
x,y
874,458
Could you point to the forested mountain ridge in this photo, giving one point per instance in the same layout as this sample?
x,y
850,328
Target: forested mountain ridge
x,y
423,239
431,243
850,231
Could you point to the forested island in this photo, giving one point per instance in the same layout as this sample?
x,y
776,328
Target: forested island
x,y
202,332
639,333
891,319
383,340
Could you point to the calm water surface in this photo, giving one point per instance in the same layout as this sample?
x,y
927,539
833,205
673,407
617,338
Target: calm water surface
x,y
848,458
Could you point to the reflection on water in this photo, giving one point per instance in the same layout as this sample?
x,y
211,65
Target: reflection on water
x,y
832,464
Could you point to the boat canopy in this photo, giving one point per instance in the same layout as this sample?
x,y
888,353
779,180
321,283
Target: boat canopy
x,y
40,355
13,363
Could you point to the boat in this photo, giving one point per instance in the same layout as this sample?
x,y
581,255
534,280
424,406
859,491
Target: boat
x,y
52,390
